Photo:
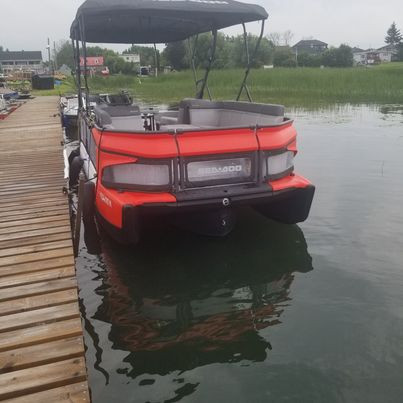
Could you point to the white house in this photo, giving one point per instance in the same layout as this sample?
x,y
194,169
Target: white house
x,y
385,54
360,56
131,58
22,61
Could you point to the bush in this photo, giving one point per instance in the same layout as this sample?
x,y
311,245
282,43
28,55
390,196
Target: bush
x,y
338,57
307,60
284,58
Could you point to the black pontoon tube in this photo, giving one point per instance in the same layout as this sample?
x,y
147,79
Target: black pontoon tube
x,y
250,61
211,59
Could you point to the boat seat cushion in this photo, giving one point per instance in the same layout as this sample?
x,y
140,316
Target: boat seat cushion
x,y
167,120
119,117
201,112
128,124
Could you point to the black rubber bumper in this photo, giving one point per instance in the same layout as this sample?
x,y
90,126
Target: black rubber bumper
x,y
288,206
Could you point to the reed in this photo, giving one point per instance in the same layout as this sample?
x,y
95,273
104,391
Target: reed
x,y
292,87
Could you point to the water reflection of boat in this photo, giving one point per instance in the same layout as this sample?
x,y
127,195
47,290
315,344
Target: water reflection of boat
x,y
180,302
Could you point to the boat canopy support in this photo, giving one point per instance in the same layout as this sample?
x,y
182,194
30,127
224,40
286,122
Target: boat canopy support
x,y
203,82
249,61
78,54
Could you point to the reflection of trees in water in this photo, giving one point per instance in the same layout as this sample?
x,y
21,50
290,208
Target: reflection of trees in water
x,y
179,301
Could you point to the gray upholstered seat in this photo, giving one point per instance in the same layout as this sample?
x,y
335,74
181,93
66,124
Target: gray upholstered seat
x,y
204,113
119,117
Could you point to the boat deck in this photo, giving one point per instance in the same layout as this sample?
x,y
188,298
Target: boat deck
x,y
41,341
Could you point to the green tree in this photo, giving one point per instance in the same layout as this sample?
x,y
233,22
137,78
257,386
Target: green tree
x,y
338,57
175,55
264,54
394,36
65,54
284,57
308,60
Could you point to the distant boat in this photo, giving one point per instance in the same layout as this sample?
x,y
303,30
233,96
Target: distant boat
x,y
3,104
24,94
6,107
8,93
69,110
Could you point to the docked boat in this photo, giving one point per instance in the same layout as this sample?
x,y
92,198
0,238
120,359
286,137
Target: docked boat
x,y
7,105
69,111
3,104
24,94
197,164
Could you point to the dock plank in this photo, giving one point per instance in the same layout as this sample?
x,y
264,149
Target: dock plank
x,y
36,302
41,354
36,277
34,257
40,334
35,248
41,378
26,268
45,315
75,393
42,288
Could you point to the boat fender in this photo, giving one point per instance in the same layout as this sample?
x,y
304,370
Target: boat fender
x,y
73,154
88,202
74,171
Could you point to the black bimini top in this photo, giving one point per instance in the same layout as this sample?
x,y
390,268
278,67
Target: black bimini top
x,y
158,21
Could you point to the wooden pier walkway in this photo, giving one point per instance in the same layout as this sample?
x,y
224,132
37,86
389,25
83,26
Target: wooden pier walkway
x,y
41,342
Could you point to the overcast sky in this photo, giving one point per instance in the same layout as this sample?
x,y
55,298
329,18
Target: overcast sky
x,y
26,24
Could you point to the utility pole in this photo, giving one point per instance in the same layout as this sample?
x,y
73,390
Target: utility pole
x,y
156,60
50,61
54,57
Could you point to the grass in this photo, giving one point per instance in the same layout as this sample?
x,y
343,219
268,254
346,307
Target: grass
x,y
292,87
66,87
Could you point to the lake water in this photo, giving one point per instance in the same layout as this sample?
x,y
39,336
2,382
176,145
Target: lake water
x,y
273,313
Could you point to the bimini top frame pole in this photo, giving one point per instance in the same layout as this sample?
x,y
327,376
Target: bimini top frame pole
x,y
200,94
244,85
192,52
77,78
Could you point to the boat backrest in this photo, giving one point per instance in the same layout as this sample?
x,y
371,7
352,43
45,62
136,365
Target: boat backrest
x,y
118,117
204,113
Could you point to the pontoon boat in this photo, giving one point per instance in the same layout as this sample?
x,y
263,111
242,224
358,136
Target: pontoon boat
x,y
198,164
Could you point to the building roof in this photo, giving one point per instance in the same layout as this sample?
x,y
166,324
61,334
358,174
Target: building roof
x,y
21,55
309,42
357,50
390,48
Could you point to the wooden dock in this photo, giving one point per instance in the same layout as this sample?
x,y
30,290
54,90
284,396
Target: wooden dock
x,y
41,341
